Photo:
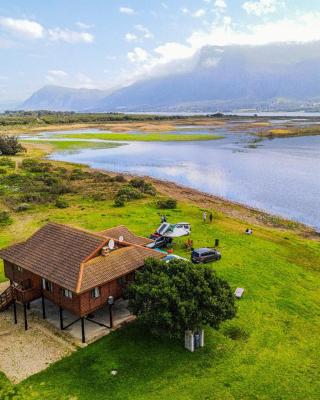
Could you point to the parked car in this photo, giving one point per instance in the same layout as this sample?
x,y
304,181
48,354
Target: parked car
x,y
205,255
171,257
159,243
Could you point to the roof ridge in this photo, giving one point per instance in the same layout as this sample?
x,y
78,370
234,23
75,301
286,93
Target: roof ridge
x,y
74,228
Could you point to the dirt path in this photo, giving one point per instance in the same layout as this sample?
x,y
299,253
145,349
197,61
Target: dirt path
x,y
24,353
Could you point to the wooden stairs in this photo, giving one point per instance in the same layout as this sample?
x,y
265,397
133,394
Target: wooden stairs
x,y
6,298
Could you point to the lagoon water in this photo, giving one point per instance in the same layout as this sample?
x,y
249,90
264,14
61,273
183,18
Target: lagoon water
x,y
281,176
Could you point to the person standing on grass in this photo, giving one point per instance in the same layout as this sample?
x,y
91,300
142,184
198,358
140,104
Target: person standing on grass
x,y
211,218
204,217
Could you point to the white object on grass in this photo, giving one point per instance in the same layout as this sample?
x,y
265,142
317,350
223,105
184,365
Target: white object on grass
x,y
239,292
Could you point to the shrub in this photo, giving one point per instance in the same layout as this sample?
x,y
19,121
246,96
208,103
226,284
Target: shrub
x,y
100,177
119,201
7,162
167,203
5,219
129,192
59,188
143,186
23,207
119,178
9,145
78,174
3,171
60,203
32,165
36,198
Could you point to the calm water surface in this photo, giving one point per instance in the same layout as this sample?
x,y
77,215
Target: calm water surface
x,y
281,176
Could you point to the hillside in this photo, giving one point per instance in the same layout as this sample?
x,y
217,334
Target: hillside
x,y
58,98
270,77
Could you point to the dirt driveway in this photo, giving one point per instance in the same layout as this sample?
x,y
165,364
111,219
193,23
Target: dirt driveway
x,y
24,353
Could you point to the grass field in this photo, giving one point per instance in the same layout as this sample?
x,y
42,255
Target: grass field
x,y
70,145
269,351
142,137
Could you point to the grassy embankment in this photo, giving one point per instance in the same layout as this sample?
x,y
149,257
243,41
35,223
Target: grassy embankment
x,y
291,132
269,351
141,137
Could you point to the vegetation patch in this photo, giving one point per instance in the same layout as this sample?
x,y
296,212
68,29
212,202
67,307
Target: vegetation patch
x,y
167,203
142,137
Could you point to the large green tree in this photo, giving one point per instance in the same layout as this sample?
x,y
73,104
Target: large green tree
x,y
170,298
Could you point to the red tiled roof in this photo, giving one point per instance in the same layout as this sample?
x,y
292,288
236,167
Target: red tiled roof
x,y
115,264
71,258
128,236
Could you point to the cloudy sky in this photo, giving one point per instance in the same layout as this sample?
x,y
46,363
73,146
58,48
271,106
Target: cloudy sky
x,y
105,43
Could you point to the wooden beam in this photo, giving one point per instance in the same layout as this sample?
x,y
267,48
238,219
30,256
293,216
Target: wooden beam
x,y
25,317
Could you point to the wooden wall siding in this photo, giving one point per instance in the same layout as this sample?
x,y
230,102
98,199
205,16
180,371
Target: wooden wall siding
x,y
12,273
56,296
80,305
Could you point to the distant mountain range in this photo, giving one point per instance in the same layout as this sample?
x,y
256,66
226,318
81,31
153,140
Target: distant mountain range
x,y
274,76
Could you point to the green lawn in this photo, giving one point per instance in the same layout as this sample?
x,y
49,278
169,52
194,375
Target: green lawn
x,y
70,145
269,351
141,137
276,357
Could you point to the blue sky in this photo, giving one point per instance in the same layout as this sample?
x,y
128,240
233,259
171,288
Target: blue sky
x,y
106,43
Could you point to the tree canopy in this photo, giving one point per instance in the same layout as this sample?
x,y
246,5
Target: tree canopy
x,y
170,298
9,145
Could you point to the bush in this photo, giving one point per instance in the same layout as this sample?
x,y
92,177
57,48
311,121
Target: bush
x,y
32,165
119,178
60,203
167,203
9,145
7,162
59,188
143,186
100,177
120,201
23,207
36,198
3,171
5,219
129,192
78,174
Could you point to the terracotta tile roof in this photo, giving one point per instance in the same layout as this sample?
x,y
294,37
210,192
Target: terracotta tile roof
x,y
117,263
55,252
128,236
71,258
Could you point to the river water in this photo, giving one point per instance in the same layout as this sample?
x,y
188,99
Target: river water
x,y
281,176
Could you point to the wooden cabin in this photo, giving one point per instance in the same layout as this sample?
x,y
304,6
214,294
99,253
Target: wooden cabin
x,y
75,269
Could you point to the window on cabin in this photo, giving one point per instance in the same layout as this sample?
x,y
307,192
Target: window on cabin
x,y
67,293
19,269
122,280
47,285
95,293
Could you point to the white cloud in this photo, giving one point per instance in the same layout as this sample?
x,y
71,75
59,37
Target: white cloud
x,y
66,35
138,55
145,31
175,57
199,13
83,25
22,27
220,4
56,76
261,7
127,10
130,37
